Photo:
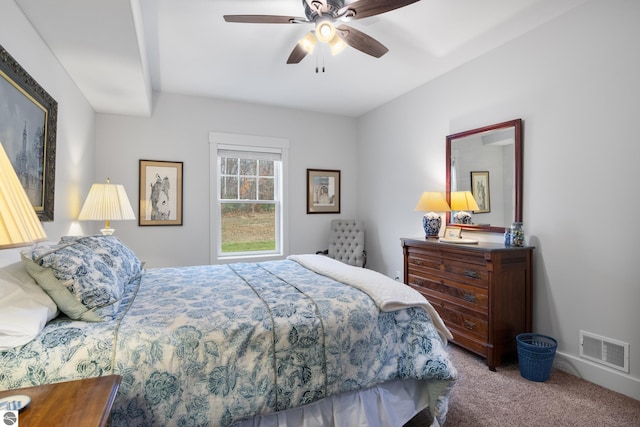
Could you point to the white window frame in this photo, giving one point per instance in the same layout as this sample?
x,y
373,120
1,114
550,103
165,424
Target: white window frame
x,y
239,142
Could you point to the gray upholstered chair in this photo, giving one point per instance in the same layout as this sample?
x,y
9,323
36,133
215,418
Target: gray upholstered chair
x,y
346,242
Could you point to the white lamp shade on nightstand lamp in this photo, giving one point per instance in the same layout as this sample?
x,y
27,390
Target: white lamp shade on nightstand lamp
x,y
19,224
106,202
432,202
462,201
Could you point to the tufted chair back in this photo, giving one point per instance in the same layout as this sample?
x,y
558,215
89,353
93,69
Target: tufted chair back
x,y
346,242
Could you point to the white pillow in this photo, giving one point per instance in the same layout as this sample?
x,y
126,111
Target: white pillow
x,y
25,307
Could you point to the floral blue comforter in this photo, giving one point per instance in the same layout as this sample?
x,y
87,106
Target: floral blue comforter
x,y
212,345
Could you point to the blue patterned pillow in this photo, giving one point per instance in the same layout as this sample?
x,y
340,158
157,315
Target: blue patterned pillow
x,y
76,271
113,252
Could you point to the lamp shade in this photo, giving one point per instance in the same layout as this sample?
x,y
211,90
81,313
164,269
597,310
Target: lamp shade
x,y
432,201
107,202
463,201
19,224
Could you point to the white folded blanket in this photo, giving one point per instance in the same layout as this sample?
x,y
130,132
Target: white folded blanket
x,y
388,294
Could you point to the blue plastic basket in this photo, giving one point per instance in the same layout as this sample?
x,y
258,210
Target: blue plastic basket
x,y
535,356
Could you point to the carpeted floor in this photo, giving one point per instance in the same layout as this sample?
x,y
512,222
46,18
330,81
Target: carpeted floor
x,y
503,398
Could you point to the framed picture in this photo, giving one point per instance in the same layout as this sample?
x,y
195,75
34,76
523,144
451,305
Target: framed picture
x,y
28,119
160,193
323,191
453,232
480,190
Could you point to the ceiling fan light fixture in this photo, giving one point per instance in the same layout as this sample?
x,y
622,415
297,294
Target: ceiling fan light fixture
x,y
324,14
337,45
308,42
325,31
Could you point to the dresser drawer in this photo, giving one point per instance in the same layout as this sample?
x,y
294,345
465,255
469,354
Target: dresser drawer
x,y
469,341
465,269
448,253
470,296
461,319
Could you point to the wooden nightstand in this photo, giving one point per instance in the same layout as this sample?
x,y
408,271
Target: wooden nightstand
x,y
84,402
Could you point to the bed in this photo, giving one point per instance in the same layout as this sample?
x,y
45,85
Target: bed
x,y
302,341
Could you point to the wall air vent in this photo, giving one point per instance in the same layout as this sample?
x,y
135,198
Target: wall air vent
x,y
607,351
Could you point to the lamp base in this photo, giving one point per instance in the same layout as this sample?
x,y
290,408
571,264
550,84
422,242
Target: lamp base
x,y
107,231
462,217
431,223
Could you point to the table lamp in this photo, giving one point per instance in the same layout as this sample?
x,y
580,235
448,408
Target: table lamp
x,y
106,202
432,202
19,224
461,201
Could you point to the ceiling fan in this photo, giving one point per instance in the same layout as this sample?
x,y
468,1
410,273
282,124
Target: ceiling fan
x,y
324,14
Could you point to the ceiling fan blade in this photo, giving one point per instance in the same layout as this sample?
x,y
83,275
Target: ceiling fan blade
x,y
297,54
366,8
359,40
264,19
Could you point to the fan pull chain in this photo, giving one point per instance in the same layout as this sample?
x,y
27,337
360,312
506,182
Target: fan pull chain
x,y
317,66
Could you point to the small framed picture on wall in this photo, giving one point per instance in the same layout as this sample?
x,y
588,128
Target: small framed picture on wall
x,y
160,193
323,191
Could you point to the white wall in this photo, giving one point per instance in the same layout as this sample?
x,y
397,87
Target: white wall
x,y
178,130
575,82
75,146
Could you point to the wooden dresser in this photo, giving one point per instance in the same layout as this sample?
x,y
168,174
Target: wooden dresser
x,y
482,292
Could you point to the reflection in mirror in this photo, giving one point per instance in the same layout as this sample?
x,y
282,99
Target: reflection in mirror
x,y
485,164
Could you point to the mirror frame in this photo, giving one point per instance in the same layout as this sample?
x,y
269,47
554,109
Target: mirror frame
x,y
518,140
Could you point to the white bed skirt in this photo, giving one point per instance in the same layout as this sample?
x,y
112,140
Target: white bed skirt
x,y
387,405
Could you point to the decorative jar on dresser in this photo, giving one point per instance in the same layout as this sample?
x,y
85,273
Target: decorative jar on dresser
x,y
483,292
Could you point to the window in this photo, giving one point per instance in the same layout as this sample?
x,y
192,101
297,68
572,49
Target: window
x,y
248,214
249,202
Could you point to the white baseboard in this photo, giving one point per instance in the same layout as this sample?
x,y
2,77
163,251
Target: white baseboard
x,y
598,374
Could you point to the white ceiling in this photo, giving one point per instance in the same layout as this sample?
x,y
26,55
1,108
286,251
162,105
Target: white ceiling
x,y
119,51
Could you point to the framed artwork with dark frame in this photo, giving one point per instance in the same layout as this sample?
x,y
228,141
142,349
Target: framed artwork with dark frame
x,y
480,190
28,121
323,191
160,193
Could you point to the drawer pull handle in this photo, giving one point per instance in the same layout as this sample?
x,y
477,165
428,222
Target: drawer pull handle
x,y
470,298
416,262
469,325
419,282
471,273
